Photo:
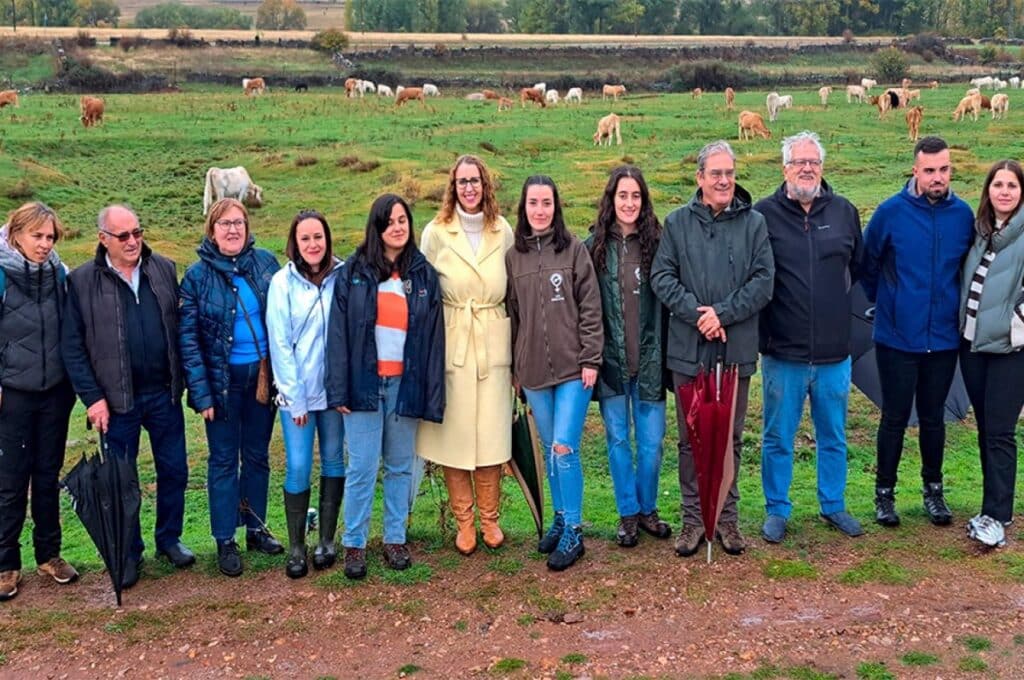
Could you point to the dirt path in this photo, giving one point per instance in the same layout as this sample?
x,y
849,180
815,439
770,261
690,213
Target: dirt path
x,y
617,614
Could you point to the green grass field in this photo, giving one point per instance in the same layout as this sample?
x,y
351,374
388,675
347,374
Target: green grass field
x,y
153,150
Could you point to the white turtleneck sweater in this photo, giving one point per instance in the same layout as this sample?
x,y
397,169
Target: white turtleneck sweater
x,y
473,225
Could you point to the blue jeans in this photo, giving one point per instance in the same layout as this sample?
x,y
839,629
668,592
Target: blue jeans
x,y
298,447
164,421
636,486
560,412
786,386
238,468
373,436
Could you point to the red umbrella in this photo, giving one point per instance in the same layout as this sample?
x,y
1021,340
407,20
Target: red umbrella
x,y
709,403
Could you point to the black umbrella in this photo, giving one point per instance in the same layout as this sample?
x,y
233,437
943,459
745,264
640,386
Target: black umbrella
x,y
527,463
104,492
865,368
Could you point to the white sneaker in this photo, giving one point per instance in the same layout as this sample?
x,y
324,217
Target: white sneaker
x,y
987,531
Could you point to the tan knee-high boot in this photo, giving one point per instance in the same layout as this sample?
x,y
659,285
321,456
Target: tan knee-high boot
x,y
488,498
460,497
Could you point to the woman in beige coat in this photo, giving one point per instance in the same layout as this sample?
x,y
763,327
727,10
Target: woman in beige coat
x,y
466,244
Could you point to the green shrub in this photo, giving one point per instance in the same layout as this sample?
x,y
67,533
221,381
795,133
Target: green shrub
x,y
890,64
988,54
330,40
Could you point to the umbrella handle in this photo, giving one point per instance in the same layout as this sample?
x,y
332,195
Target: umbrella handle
x,y
104,446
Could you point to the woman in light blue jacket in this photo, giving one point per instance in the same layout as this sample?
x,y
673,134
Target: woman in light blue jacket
x,y
299,303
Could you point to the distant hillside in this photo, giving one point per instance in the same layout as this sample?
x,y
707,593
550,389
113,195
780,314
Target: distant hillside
x,y
319,15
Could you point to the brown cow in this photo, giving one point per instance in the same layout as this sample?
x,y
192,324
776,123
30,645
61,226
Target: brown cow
x,y
409,94
504,104
92,110
490,94
697,93
253,86
613,91
914,116
606,127
8,98
752,124
350,87
933,84
529,94
730,96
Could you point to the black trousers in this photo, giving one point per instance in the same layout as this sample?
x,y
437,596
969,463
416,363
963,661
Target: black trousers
x,y
995,385
33,434
904,377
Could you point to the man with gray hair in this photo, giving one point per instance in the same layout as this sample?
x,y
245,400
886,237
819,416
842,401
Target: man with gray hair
x,y
120,347
805,332
713,271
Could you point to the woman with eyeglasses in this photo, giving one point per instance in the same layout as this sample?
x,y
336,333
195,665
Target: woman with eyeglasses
x,y
554,302
298,305
466,244
223,339
385,373
35,394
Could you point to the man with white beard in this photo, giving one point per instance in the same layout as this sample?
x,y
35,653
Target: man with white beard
x,y
805,332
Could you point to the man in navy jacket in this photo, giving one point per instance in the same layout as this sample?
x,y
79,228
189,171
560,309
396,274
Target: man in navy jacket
x,y
914,246
805,332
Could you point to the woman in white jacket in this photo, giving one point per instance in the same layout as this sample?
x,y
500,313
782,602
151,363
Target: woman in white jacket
x,y
298,306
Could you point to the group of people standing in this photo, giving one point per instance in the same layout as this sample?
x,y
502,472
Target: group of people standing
x,y
403,351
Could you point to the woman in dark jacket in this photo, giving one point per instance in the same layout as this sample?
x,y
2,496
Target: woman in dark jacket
x,y
35,394
223,341
385,372
631,386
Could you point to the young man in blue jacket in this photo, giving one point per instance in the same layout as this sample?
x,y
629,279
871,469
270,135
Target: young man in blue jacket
x,y
914,246
805,332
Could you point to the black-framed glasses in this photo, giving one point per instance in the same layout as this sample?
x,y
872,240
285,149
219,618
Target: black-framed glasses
x,y
464,182
125,235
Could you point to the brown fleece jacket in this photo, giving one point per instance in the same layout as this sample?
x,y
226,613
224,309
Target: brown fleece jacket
x,y
554,303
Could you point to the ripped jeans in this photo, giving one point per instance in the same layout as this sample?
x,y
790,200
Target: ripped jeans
x,y
559,412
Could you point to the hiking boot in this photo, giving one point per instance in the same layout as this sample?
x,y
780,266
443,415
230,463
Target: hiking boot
x,y
626,534
550,541
653,525
570,548
262,541
729,536
774,528
397,556
987,531
229,558
689,539
355,563
59,570
844,522
885,507
935,504
9,581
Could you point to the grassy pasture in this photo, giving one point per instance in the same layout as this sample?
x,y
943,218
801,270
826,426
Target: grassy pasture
x,y
153,150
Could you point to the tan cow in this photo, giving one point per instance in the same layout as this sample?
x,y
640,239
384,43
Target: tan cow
x,y
490,94
905,83
697,93
913,116
823,93
92,110
1000,105
854,92
752,124
934,85
253,86
504,104
730,97
409,94
606,127
969,104
351,87
530,94
8,98
613,91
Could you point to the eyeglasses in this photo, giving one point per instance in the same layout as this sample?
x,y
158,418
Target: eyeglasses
x,y
125,235
805,162
720,174
464,182
228,225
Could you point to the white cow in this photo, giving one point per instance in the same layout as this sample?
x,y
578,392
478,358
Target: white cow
x,y
854,92
1014,83
430,90
868,83
365,86
398,89
231,183
541,87
998,84
983,81
384,91
551,96
774,102
574,94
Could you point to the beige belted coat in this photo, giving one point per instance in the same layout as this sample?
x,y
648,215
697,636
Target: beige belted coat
x,y
477,427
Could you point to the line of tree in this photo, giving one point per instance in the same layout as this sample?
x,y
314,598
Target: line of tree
x,y
59,12
974,18
177,15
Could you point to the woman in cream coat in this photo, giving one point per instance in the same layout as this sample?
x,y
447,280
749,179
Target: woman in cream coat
x,y
466,244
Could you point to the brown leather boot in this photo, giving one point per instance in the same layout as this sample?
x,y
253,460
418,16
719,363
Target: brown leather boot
x,y
460,497
488,498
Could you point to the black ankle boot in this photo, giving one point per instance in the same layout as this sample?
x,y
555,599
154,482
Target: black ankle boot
x,y
935,504
332,489
295,506
885,507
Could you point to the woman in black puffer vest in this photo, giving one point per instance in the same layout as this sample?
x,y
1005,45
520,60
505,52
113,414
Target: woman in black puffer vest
x,y
35,394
